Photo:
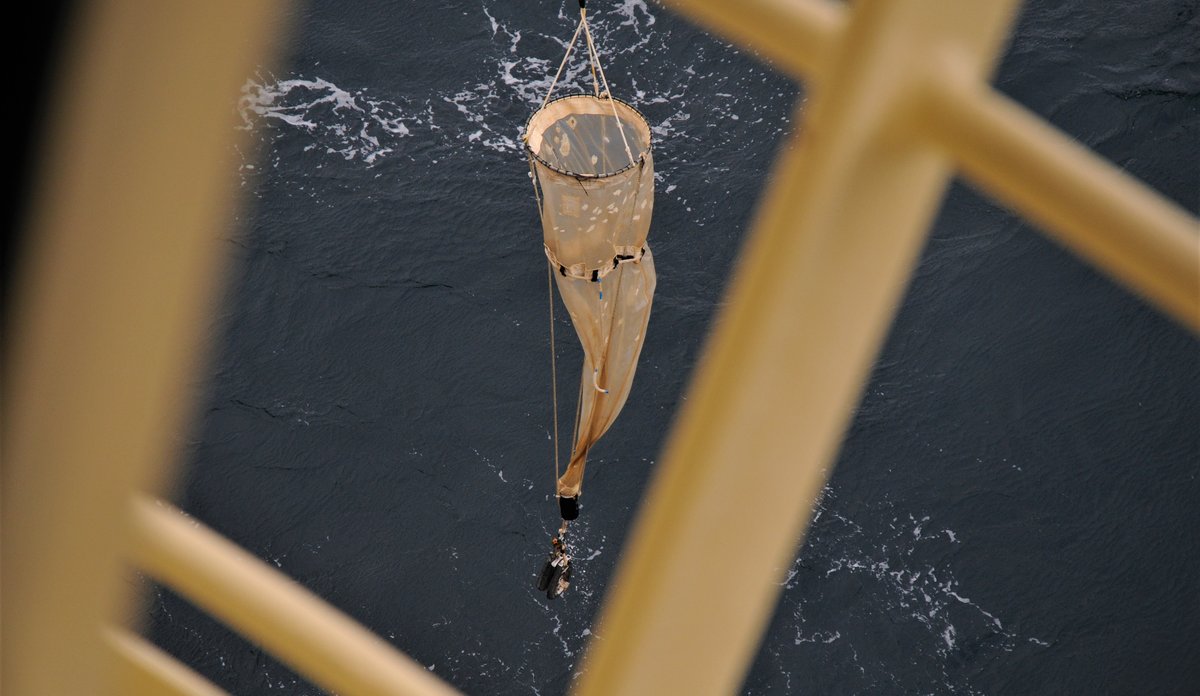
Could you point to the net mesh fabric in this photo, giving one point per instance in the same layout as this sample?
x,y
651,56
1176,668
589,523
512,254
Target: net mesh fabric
x,y
597,195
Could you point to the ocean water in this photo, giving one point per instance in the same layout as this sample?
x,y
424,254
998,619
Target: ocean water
x,y
1015,509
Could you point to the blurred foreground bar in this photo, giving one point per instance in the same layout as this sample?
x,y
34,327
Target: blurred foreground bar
x,y
134,192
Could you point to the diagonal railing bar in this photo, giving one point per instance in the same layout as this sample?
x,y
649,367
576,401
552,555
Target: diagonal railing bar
x,y
830,254
798,37
136,183
142,668
1113,221
269,608
748,453
124,250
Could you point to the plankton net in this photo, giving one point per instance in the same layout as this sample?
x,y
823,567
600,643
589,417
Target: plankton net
x,y
593,174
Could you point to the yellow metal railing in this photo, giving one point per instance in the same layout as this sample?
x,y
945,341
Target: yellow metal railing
x,y
124,252
113,303
899,97
122,257
263,605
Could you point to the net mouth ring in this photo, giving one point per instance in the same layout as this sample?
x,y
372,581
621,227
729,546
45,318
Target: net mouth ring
x,y
638,161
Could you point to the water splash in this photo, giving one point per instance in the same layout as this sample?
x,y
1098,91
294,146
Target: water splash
x,y
352,125
895,575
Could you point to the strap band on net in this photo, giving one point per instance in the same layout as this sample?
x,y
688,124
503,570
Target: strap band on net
x,y
581,271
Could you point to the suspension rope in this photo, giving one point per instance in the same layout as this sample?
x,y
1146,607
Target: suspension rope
x,y
591,54
594,55
563,64
597,67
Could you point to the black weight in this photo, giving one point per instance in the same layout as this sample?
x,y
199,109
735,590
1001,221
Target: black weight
x,y
544,577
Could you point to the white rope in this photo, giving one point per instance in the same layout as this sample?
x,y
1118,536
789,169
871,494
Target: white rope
x,y
563,64
594,55
596,381
596,66
592,63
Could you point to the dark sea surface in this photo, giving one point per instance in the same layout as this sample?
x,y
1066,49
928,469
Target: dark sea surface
x,y
1016,508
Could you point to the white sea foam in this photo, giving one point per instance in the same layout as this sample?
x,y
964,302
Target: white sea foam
x,y
355,125
890,560
825,637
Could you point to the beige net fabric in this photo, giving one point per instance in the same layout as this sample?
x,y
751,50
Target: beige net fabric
x,y
597,195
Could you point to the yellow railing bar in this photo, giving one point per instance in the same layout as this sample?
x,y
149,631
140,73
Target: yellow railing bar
x,y
135,188
815,290
1109,218
269,608
144,670
797,36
